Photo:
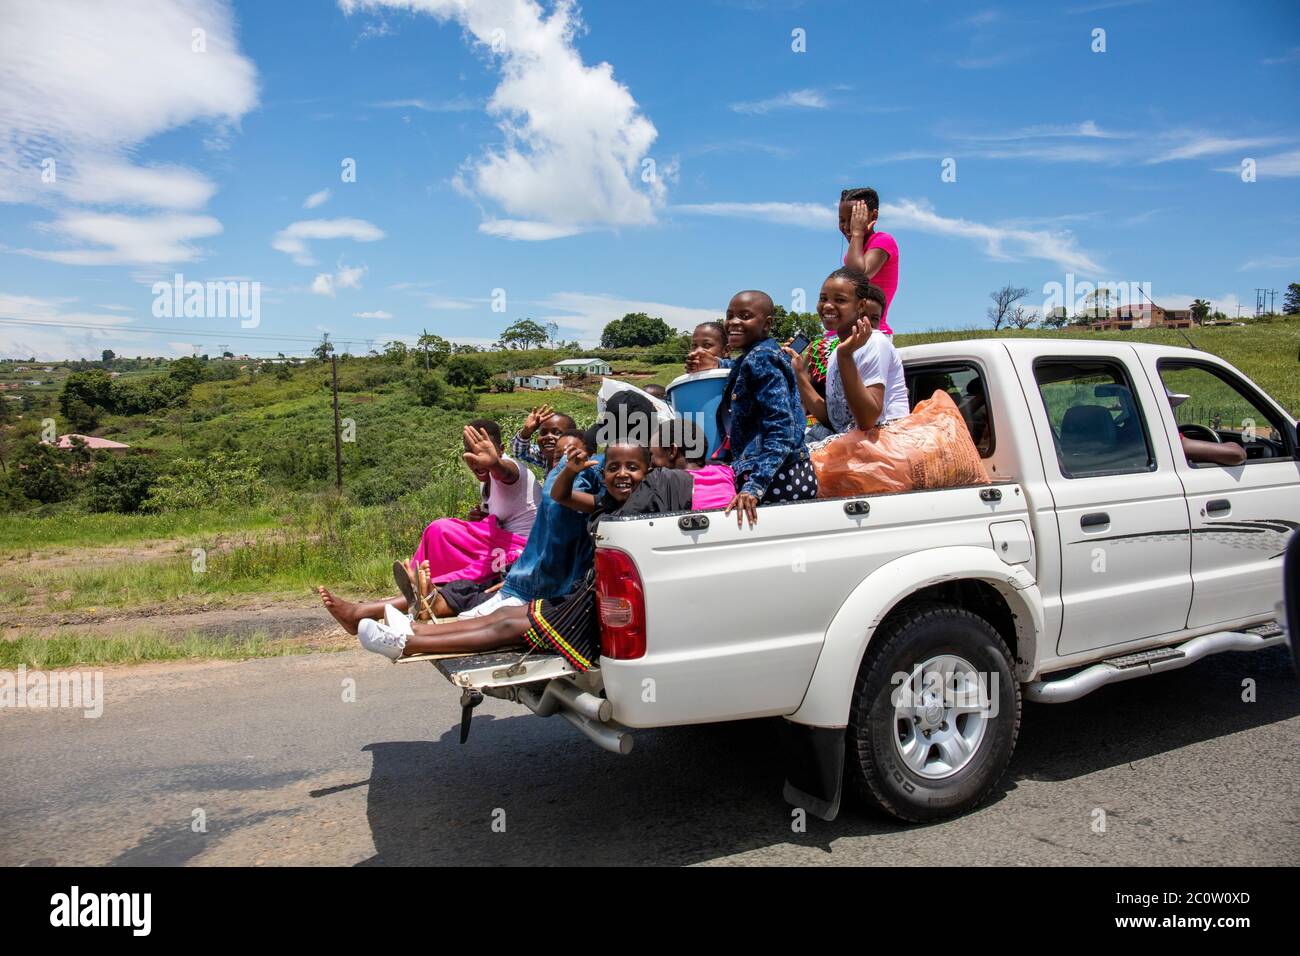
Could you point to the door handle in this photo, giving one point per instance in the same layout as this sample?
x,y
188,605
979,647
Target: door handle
x,y
1094,520
1218,506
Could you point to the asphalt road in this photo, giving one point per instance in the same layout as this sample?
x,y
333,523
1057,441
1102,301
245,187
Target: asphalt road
x,y
285,771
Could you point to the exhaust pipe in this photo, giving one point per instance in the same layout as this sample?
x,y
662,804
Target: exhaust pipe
x,y
587,712
1142,663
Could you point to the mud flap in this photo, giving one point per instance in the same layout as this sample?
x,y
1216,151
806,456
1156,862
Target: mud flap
x,y
814,768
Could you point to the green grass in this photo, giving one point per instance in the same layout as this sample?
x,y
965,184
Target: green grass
x,y
70,528
328,542
75,650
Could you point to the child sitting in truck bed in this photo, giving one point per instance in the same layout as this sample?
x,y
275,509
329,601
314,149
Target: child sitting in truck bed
x,y
555,541
708,348
565,623
760,415
865,385
548,425
681,444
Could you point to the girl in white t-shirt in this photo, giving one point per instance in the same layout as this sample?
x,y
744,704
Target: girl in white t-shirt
x,y
865,386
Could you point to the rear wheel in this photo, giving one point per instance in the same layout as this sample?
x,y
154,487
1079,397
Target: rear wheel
x,y
935,714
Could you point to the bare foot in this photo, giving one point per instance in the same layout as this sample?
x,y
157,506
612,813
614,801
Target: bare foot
x,y
345,612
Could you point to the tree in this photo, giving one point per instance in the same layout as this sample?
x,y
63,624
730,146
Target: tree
x,y
121,485
635,329
436,349
786,325
524,334
1021,318
1200,309
466,373
324,349
1004,300
85,397
1291,301
188,371
41,474
395,352
107,356
1057,318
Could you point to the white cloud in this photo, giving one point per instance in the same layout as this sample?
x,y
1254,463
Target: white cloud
x,y
584,315
1226,303
1084,142
83,84
118,183
1290,56
1270,262
574,138
292,239
377,314
794,99
809,215
1279,164
999,241
126,239
1210,146
347,277
457,104
318,198
47,337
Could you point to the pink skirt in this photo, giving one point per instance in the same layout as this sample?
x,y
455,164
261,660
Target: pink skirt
x,y
458,550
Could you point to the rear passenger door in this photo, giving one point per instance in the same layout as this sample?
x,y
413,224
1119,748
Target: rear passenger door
x,y
1122,517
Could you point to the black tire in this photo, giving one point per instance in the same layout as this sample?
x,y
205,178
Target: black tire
x,y
874,764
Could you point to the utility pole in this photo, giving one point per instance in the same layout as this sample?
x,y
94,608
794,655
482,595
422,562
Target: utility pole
x,y
338,447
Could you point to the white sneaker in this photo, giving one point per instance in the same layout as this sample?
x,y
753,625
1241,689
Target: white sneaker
x,y
397,621
498,600
381,638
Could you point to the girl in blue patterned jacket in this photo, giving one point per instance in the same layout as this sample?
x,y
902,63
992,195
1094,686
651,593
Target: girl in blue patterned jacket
x,y
761,415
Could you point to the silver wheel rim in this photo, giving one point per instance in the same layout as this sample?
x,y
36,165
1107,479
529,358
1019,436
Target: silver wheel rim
x,y
940,716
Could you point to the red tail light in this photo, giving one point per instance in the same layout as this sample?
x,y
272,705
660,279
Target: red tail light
x,y
622,605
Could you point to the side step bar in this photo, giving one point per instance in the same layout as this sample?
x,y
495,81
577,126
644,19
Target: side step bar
x,y
1154,661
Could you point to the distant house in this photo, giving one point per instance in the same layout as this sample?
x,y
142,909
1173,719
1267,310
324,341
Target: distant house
x,y
1147,316
538,381
93,443
583,366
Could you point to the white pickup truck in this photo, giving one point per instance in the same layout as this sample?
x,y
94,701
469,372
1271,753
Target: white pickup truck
x,y
898,634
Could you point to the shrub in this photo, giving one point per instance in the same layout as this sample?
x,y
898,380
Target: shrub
x,y
139,396
429,390
219,479
121,484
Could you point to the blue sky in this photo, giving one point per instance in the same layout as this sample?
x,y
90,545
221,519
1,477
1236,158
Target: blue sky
x,y
505,148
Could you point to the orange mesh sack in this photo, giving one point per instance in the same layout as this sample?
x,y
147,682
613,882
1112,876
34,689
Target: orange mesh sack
x,y
930,448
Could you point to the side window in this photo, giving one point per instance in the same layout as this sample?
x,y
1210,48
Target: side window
x,y
964,384
1097,424
1211,405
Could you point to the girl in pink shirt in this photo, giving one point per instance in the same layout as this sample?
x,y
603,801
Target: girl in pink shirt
x,y
870,251
682,444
